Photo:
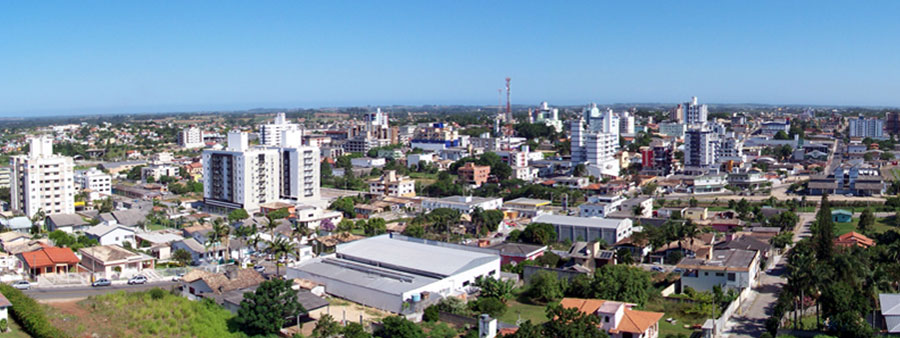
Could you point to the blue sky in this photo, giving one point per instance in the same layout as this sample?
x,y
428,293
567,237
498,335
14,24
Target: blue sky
x,y
128,56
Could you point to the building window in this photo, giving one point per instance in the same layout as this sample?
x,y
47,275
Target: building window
x,y
606,319
720,274
731,276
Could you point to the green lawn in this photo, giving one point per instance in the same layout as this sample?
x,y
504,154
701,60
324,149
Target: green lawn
x,y
14,330
676,310
882,224
536,313
414,174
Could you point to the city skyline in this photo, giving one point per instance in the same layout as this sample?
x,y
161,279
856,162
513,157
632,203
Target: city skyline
x,y
96,58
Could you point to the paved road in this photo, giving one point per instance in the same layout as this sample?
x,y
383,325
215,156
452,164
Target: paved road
x,y
750,320
43,294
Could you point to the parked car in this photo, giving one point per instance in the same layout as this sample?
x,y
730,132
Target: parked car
x,y
178,277
658,269
137,280
22,285
101,282
259,268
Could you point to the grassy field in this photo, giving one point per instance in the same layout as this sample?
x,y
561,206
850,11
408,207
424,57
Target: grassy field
x,y
536,313
676,310
14,330
882,224
141,314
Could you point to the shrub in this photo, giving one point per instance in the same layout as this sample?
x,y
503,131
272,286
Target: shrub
x,y
431,314
3,325
30,314
157,293
489,305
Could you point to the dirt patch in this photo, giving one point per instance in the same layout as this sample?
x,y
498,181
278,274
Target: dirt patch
x,y
78,321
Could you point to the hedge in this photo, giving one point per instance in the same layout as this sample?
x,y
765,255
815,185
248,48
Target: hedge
x,y
30,314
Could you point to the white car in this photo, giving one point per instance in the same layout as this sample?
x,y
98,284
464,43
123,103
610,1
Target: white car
x,y
22,285
137,280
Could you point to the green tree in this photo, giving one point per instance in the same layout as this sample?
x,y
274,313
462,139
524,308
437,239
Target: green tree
x,y
280,248
326,327
375,226
279,214
489,305
414,230
495,288
355,330
263,311
539,233
623,256
399,327
182,257
237,215
571,323
545,287
866,220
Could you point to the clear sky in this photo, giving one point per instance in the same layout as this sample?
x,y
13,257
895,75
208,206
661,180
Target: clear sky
x,y
129,56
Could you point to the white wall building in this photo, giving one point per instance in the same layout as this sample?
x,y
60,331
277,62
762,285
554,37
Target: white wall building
x,y
732,268
97,183
157,171
673,129
700,148
463,204
693,112
588,229
109,233
393,272
240,176
597,149
42,180
270,134
861,127
191,137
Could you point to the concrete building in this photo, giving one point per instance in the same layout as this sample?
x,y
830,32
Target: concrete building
x,y
473,174
890,311
658,159
109,233
270,134
673,129
110,260
191,137
596,149
95,183
436,137
691,113
547,116
397,273
42,181
862,127
391,184
732,268
157,171
700,149
587,228
5,177
245,177
368,162
463,204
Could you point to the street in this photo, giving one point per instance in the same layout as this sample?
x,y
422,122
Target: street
x,y
58,293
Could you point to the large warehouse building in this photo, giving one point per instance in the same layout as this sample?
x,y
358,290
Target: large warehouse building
x,y
389,270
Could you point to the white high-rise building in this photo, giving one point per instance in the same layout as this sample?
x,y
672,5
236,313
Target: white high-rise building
x,y
626,123
377,119
860,127
245,177
191,137
96,183
547,116
42,180
270,134
597,149
692,113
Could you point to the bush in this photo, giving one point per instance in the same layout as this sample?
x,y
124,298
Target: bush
x,y
431,314
157,293
30,314
489,305
3,325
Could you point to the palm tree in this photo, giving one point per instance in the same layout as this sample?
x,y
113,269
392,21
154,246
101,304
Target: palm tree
x,y
690,231
37,221
243,232
221,231
271,224
279,248
300,230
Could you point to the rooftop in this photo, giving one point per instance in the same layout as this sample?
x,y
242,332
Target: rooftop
x,y
113,253
730,259
518,249
416,255
592,222
381,279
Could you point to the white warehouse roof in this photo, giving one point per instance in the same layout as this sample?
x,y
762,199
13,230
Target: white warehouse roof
x,y
591,222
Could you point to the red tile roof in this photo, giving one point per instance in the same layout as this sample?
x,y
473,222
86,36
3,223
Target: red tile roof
x,y
49,256
854,239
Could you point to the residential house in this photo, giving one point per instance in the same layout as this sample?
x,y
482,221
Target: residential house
x,y
10,264
841,216
200,283
391,184
617,319
473,174
5,304
853,239
890,311
199,252
110,260
731,268
590,255
20,223
514,253
159,242
200,232
49,260
463,204
112,233
10,239
695,214
66,222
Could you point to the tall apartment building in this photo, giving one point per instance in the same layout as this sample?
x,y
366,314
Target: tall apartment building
x,y
546,116
191,137
245,177
700,149
892,123
658,159
96,183
5,177
626,123
860,127
42,180
691,113
270,134
597,149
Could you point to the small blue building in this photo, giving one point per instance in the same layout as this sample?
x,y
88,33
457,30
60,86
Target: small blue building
x,y
841,216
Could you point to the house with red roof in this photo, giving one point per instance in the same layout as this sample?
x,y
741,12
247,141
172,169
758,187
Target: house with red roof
x,y
618,319
852,239
49,260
